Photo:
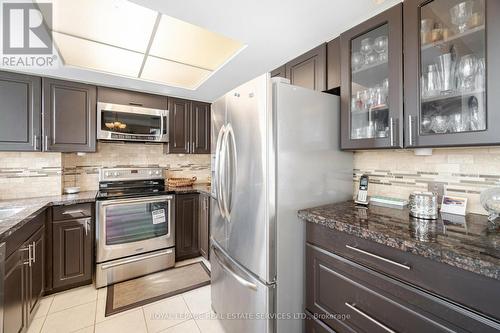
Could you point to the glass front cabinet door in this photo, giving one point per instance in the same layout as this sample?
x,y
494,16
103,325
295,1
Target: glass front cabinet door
x,y
452,72
372,83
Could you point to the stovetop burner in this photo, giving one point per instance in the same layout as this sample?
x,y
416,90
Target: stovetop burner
x,y
117,183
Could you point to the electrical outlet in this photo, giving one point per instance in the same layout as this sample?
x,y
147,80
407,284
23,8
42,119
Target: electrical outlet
x,y
438,188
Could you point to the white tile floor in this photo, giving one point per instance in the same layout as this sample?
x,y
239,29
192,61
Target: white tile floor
x,y
81,310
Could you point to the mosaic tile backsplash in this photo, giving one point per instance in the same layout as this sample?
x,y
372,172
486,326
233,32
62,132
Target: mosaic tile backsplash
x,y
26,174
465,172
83,170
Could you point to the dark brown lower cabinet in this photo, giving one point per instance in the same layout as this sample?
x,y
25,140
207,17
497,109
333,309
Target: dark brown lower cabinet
x,y
14,309
314,325
204,225
35,271
187,217
354,298
72,253
24,282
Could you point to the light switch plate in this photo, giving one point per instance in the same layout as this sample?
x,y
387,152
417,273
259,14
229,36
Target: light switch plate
x,y
437,187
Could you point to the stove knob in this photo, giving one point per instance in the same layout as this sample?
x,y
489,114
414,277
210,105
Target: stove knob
x,y
107,174
150,173
157,172
116,174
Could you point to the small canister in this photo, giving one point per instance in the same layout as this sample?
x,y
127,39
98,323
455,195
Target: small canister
x,y
423,205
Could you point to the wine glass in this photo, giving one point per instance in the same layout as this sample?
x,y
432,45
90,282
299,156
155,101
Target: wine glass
x,y
467,69
366,46
380,44
357,60
460,15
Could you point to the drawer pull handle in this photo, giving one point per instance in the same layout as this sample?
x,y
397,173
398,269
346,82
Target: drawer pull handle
x,y
362,313
378,257
74,212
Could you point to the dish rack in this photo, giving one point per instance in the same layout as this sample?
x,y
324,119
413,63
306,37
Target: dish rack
x,y
181,182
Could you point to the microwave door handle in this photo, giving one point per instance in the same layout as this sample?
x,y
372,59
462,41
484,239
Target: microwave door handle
x,y
218,169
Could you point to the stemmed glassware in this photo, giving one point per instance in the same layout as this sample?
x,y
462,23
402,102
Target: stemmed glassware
x,y
467,71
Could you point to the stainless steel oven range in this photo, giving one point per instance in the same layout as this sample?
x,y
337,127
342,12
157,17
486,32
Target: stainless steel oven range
x,y
135,232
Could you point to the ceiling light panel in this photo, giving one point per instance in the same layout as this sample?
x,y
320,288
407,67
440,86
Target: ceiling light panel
x,y
82,53
190,44
116,22
173,74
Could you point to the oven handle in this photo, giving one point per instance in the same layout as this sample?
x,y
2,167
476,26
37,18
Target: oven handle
x,y
136,200
139,258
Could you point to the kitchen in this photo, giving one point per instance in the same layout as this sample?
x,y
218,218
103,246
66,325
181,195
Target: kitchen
x,y
177,174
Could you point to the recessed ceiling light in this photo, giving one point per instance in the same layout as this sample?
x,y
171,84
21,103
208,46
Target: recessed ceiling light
x,y
173,73
117,36
189,44
83,53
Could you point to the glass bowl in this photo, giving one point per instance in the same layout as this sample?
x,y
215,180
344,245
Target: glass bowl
x,y
490,199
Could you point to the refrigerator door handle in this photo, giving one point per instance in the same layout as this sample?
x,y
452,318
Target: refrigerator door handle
x,y
218,168
238,278
223,173
233,169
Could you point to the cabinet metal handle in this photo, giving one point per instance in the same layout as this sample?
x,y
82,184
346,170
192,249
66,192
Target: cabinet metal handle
x,y
377,257
29,255
373,320
391,129
46,142
73,212
411,125
33,247
35,141
188,147
87,226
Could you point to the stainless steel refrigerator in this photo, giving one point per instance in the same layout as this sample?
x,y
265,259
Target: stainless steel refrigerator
x,y
275,150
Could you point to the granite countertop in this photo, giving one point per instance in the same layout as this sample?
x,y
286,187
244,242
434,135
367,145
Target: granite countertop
x,y
29,208
469,243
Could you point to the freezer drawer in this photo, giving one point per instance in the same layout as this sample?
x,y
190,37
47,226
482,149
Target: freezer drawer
x,y
241,301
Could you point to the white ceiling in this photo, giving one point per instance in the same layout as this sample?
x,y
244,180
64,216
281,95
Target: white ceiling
x,y
274,30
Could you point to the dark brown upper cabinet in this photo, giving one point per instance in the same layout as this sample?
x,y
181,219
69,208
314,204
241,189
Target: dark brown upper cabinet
x,y
179,112
189,126
69,116
187,219
126,97
20,112
279,72
372,83
452,68
200,128
309,69
333,63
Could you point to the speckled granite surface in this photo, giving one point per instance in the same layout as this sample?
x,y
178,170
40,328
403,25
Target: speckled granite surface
x,y
471,244
29,208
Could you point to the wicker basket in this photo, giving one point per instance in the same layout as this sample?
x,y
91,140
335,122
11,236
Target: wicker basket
x,y
181,182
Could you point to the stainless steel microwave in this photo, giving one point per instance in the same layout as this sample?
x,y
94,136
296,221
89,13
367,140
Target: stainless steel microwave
x,y
131,123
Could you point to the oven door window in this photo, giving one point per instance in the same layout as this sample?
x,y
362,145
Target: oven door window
x,y
127,223
130,123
